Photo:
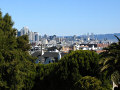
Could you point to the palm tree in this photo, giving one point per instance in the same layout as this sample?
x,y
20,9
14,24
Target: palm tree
x,y
110,61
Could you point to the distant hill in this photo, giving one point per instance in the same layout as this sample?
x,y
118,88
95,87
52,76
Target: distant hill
x,y
110,37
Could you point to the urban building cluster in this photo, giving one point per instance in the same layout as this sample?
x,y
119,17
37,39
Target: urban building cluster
x,y
33,36
50,49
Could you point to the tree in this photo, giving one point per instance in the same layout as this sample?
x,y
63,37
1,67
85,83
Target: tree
x,y
23,43
88,83
46,78
85,61
76,65
110,60
17,70
63,74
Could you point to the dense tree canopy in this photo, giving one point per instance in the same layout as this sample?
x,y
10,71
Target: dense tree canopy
x,y
16,69
110,61
88,83
68,71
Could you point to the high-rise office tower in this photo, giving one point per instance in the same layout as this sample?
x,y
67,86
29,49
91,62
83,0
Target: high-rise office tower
x,y
36,36
25,31
31,36
18,33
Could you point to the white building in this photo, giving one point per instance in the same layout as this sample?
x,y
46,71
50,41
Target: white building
x,y
25,31
44,41
33,36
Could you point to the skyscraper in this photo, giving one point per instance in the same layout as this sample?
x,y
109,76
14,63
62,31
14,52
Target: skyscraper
x,y
36,36
18,33
33,36
25,31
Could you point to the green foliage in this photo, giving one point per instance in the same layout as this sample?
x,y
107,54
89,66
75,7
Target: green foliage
x,y
110,60
86,62
76,65
46,77
63,75
17,71
88,83
23,43
115,77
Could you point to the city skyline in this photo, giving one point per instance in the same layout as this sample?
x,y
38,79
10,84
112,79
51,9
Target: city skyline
x,y
65,17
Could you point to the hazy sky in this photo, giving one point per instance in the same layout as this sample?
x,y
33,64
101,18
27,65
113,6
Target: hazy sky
x,y
64,17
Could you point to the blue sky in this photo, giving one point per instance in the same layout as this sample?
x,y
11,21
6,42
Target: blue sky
x,y
65,17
